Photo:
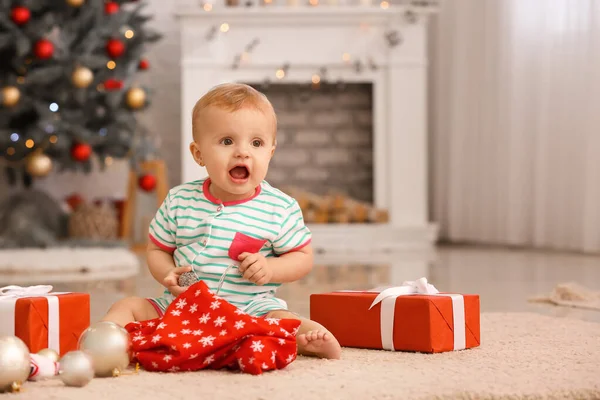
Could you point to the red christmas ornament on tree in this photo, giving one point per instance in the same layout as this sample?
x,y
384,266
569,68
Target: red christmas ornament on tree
x,y
81,152
144,64
111,8
43,49
115,48
113,84
74,200
147,182
20,15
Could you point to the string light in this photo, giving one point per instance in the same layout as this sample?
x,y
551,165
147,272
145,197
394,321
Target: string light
x,y
224,27
10,151
316,79
14,137
53,139
29,143
111,64
280,74
108,160
207,7
314,2
384,4
129,34
53,107
346,57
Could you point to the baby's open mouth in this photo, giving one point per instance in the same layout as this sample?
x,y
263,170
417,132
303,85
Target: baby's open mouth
x,y
239,172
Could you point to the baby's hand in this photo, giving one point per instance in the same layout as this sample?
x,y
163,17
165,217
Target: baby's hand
x,y
254,267
171,281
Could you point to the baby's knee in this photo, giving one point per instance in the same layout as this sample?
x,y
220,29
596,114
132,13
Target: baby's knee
x,y
128,303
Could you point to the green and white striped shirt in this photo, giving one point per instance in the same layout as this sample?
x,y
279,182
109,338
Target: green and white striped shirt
x,y
207,234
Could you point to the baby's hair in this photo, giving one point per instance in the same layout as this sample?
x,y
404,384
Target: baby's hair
x,y
233,97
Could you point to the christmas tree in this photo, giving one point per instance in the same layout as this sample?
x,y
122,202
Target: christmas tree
x,y
68,89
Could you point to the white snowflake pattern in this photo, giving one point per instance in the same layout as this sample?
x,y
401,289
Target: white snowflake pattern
x,y
296,330
257,346
286,333
220,321
176,313
204,318
239,312
271,333
161,325
167,358
193,356
185,322
290,358
197,332
138,337
156,338
143,342
254,321
239,324
223,332
172,335
207,341
187,345
264,366
273,355
236,347
150,323
215,304
193,308
198,292
241,364
186,331
154,365
173,369
181,303
251,360
173,347
281,341
273,321
209,359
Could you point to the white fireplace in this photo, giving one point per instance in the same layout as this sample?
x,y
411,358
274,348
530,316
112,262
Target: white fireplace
x,y
279,44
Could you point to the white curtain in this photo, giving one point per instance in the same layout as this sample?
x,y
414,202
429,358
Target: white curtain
x,y
515,122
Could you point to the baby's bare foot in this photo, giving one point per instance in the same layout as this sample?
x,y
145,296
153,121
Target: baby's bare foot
x,y
319,343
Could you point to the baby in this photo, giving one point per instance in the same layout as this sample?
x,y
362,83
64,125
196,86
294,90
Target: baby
x,y
232,230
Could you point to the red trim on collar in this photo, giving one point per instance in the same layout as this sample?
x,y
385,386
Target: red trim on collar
x,y
213,199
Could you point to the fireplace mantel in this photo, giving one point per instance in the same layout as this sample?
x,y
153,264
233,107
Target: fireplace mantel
x,y
385,47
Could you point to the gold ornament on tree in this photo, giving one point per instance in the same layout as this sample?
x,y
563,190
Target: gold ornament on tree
x,y
10,96
108,345
15,363
38,164
135,98
82,77
75,3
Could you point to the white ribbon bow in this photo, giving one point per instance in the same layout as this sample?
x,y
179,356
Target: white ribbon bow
x,y
387,298
21,292
8,300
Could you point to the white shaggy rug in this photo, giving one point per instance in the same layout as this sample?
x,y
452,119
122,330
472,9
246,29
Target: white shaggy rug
x,y
522,356
66,264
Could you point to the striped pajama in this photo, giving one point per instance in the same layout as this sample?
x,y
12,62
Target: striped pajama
x,y
202,232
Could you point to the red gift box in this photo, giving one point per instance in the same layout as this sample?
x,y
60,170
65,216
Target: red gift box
x,y
412,317
43,319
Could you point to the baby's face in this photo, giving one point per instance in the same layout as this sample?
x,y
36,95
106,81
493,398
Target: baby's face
x,y
236,148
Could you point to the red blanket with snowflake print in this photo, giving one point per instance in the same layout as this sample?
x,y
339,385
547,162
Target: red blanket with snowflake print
x,y
200,330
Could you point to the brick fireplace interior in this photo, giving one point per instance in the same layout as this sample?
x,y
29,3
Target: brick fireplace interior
x,y
324,148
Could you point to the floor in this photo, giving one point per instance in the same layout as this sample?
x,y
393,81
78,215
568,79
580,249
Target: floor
x,y
503,278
